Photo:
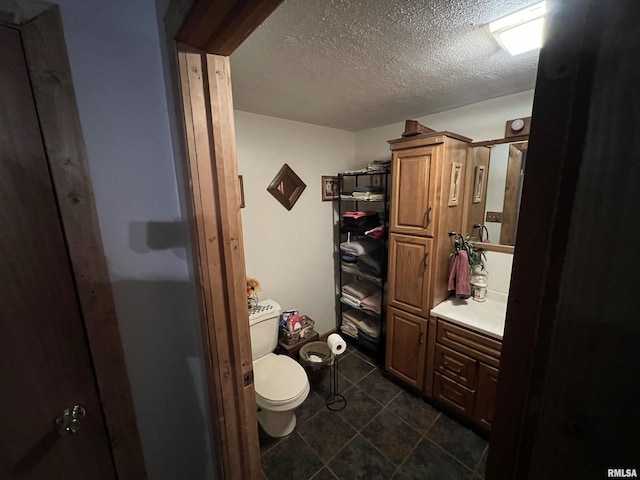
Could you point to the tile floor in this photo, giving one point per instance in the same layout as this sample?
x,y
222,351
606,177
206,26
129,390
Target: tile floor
x,y
384,432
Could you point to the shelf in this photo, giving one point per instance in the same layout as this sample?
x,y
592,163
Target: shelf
x,y
380,204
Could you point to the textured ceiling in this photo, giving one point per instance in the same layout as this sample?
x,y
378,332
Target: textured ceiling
x,y
355,65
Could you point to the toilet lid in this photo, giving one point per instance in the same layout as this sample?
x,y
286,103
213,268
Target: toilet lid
x,y
278,377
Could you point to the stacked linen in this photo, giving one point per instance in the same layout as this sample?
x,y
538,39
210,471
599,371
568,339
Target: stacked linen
x,y
360,222
379,166
348,328
363,322
371,263
372,303
353,293
368,193
359,247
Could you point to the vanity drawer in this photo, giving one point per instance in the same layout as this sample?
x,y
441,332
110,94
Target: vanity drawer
x,y
456,366
474,345
453,394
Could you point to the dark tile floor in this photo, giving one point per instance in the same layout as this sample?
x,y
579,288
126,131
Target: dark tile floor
x,y
384,432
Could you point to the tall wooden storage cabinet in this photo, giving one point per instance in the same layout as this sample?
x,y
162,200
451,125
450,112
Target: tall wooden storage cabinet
x,y
427,189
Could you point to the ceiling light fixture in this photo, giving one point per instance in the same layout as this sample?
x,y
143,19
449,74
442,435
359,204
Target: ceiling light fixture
x,y
521,31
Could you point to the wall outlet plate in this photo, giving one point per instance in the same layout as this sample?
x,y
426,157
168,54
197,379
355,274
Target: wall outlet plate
x,y
493,217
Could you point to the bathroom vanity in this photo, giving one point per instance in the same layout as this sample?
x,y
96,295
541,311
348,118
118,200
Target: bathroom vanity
x,y
466,355
453,358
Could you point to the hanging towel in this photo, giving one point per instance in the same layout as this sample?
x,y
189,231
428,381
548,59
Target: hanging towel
x,y
459,275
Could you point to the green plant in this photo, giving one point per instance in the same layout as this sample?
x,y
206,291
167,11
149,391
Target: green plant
x,y
476,255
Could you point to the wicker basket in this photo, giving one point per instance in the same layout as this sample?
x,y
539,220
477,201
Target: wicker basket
x,y
289,338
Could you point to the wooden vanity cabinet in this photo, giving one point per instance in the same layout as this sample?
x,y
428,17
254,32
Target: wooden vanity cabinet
x,y
412,209
466,372
409,279
406,347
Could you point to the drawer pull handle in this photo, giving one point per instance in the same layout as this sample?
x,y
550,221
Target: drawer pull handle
x,y
425,265
427,217
451,367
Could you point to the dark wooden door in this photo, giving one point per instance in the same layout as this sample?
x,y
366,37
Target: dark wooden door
x,y
406,347
410,260
45,365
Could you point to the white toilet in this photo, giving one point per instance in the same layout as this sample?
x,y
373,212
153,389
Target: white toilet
x,y
281,383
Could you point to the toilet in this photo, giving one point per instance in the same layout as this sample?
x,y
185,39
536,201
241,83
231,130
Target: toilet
x,y
280,382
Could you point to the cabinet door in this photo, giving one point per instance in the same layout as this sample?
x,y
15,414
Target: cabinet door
x,y
485,395
406,346
412,205
409,273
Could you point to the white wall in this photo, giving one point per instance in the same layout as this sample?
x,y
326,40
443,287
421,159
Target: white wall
x,y
498,266
479,121
291,252
115,56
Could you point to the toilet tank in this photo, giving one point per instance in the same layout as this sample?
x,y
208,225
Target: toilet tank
x,y
263,327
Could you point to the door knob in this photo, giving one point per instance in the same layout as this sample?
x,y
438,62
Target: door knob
x,y
68,420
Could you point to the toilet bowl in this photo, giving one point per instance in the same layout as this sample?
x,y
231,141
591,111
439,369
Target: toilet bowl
x,y
281,384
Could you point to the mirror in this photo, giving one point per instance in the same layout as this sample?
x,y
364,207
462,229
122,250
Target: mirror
x,y
493,186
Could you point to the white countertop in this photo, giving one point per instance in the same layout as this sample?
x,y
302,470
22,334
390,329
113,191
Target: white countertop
x,y
484,317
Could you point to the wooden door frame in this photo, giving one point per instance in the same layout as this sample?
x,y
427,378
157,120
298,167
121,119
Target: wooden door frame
x,y
42,35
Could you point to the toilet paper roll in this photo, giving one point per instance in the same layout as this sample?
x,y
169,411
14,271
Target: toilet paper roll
x,y
336,344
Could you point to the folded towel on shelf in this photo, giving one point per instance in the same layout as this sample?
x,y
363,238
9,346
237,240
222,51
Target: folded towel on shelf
x,y
359,290
377,232
349,327
379,166
459,274
348,300
368,188
351,268
359,214
349,330
372,263
364,322
367,196
360,225
349,258
372,302
360,247
370,326
354,316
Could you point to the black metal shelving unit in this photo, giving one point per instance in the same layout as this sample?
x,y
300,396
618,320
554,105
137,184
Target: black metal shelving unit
x,y
348,181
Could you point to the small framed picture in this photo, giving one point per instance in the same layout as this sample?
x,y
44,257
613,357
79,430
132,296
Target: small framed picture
x,y
454,187
330,188
478,184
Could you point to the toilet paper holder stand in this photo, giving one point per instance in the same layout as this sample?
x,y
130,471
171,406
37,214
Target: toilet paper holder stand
x,y
335,401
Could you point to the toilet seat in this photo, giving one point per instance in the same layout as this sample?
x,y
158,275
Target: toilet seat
x,y
279,382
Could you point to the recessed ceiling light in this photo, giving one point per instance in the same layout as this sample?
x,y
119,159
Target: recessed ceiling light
x,y
521,31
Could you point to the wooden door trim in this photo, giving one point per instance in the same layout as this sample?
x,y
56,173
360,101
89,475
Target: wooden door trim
x,y
45,50
220,26
212,167
560,114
